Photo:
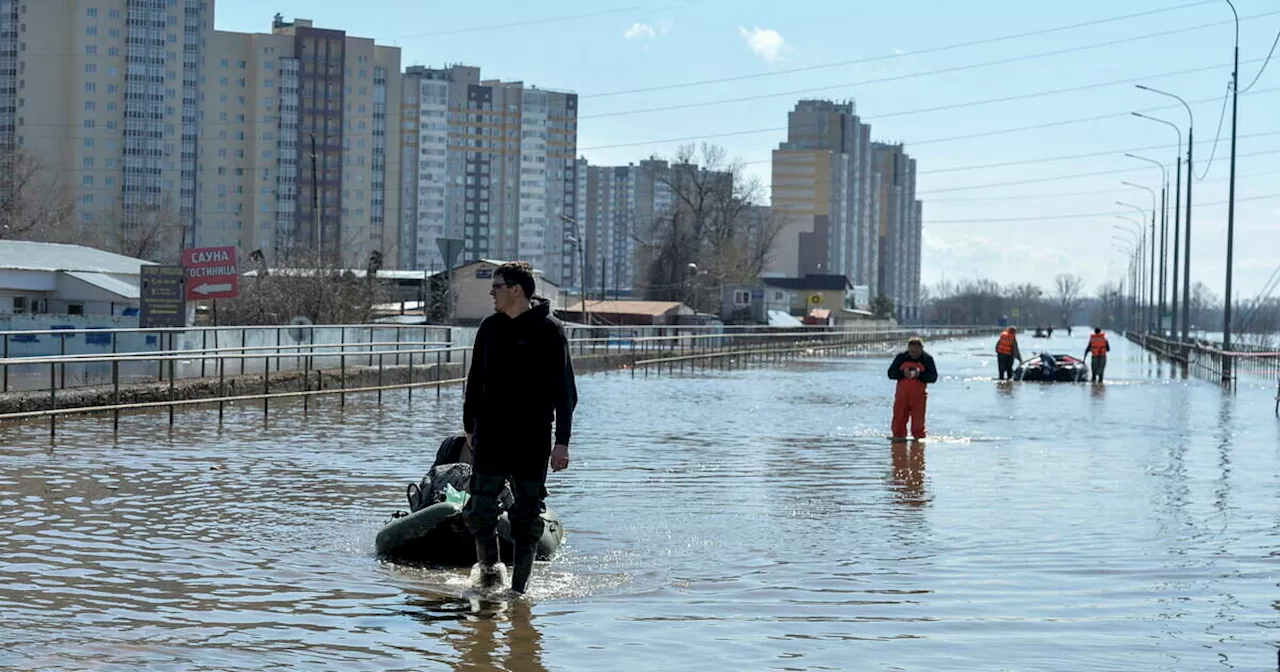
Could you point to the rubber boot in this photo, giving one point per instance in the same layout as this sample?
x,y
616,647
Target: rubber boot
x,y
522,566
488,558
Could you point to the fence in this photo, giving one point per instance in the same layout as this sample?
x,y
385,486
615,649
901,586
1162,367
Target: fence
x,y
1209,360
344,360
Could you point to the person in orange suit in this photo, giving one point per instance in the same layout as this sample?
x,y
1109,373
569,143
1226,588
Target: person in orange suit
x,y
914,370
1098,347
1007,351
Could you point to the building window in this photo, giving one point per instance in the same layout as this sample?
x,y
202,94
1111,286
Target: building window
x,y
75,309
91,30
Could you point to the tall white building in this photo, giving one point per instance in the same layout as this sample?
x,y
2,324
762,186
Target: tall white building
x,y
489,163
107,93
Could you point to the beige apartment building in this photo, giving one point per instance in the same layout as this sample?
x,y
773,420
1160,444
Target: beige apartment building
x,y
106,94
294,143
141,108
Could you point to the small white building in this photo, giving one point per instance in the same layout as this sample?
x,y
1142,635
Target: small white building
x,y
473,280
56,279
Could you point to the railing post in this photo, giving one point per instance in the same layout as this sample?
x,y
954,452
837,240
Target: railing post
x,y
438,375
53,401
115,396
379,378
62,368
222,385
342,367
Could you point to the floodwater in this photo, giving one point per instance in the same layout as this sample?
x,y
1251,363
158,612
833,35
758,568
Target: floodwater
x,y
754,519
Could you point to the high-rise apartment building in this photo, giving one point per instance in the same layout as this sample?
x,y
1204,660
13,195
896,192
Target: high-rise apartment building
x,y
107,94
145,110
294,142
898,228
490,163
623,202
822,191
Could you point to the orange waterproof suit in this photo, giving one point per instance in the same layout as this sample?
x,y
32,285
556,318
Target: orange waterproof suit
x,y
910,397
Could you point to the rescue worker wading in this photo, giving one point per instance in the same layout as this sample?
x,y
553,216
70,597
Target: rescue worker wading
x,y
914,370
1007,351
521,378
1098,347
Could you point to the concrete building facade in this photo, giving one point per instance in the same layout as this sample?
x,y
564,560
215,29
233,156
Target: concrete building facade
x,y
822,188
623,202
107,95
899,230
488,162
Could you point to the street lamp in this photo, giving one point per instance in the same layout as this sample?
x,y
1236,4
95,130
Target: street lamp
x,y
1151,288
1164,228
1231,202
1186,242
1177,212
577,241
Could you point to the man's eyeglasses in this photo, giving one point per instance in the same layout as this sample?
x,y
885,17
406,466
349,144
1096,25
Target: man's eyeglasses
x,y
500,285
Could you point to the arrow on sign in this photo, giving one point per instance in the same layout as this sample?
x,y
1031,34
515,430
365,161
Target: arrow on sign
x,y
208,289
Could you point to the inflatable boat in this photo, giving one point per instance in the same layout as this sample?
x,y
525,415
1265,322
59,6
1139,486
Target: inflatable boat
x,y
436,535
1066,369
433,532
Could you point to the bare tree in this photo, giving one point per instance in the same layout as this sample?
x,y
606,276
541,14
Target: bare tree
x,y
1206,307
306,285
1027,299
33,204
714,233
1111,306
1067,291
151,232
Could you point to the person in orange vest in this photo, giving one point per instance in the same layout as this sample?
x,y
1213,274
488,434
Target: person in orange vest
x,y
1098,347
1007,351
914,370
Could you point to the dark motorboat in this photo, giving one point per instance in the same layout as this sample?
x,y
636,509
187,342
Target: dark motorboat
x,y
433,532
1065,369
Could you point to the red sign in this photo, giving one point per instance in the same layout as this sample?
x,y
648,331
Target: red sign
x,y
211,273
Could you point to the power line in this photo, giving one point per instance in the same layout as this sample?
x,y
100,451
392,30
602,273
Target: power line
x,y
915,143
1083,215
913,75
1066,177
1069,157
1264,64
908,54
1218,135
534,22
1071,194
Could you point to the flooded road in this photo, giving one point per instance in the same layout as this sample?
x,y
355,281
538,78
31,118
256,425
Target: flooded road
x,y
755,519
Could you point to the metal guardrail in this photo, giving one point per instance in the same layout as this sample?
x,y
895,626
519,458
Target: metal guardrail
x,y
364,367
1210,361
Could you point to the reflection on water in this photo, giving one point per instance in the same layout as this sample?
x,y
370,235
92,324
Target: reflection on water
x,y
755,517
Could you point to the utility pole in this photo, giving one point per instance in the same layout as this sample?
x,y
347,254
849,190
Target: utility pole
x,y
1231,204
318,238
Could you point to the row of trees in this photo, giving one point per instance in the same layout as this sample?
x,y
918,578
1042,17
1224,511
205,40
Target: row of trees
x,y
716,233
983,301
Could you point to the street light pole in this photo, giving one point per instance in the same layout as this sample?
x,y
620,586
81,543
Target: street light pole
x,y
1177,212
1164,254
1231,203
1186,242
582,267
1151,265
1139,234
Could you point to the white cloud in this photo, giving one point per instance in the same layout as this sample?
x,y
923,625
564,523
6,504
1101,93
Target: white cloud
x,y
640,31
763,42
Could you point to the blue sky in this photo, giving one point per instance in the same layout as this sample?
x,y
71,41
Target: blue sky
x,y
596,48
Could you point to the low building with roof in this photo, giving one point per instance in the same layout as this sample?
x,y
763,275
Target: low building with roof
x,y
58,279
628,312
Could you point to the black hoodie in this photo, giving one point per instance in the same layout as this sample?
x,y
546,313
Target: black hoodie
x,y
521,379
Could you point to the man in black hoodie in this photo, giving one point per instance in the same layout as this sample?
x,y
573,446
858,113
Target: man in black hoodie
x,y
521,378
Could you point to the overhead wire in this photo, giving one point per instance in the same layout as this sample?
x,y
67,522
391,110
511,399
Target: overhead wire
x,y
926,73
905,54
